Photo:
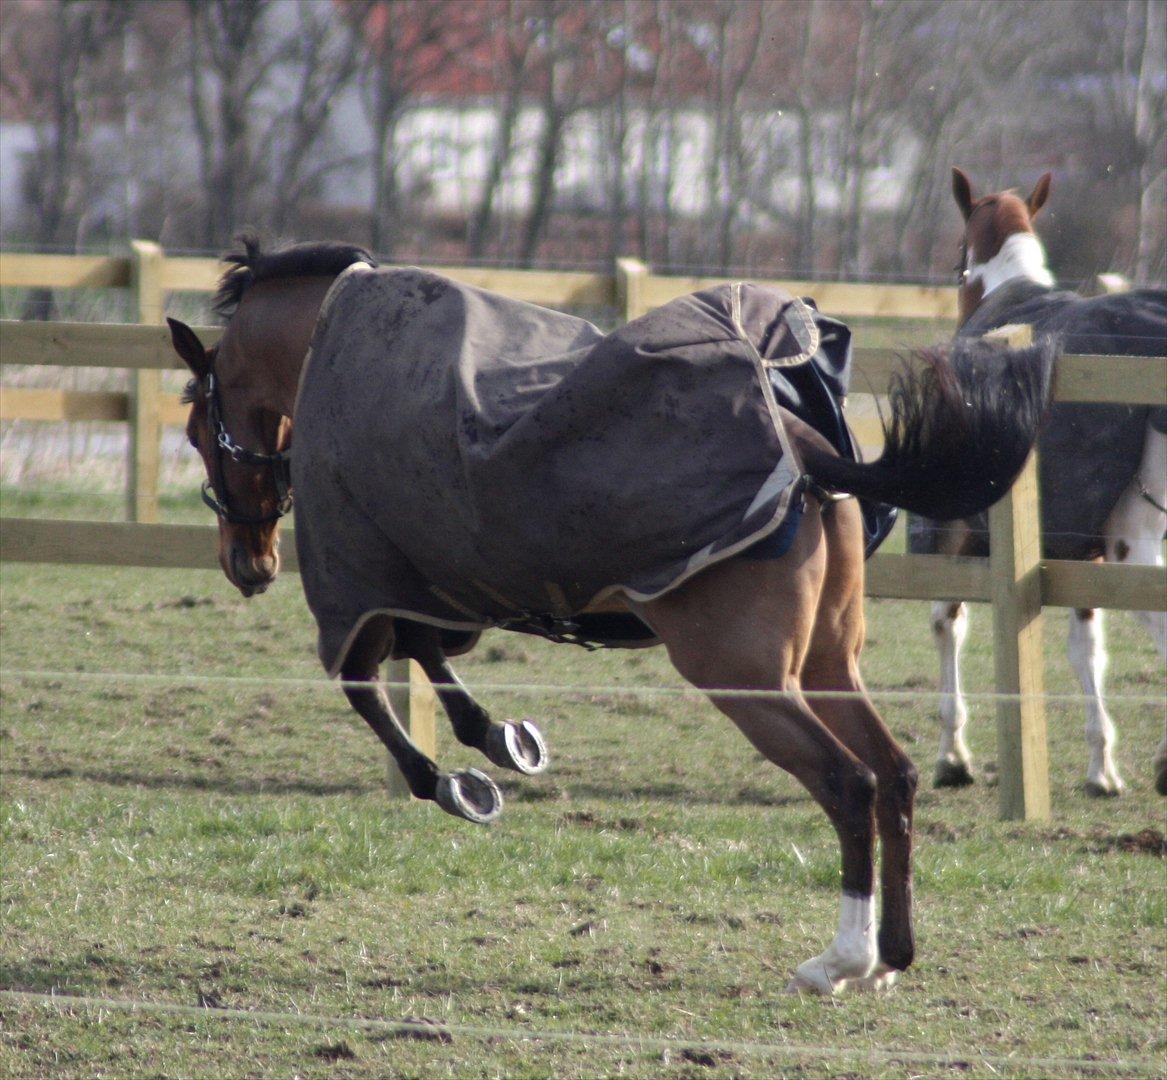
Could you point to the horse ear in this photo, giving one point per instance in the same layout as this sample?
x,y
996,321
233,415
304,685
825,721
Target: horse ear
x,y
1039,195
962,192
187,345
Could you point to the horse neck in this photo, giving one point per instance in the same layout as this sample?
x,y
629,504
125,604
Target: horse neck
x,y
1020,256
273,330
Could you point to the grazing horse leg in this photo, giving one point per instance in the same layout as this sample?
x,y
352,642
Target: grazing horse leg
x,y
746,625
950,628
832,663
471,795
509,744
1134,534
1087,649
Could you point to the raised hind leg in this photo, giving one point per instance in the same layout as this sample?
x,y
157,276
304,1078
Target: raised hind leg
x,y
509,744
471,794
832,663
745,625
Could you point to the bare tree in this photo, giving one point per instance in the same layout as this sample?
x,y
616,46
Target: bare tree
x,y
322,54
60,63
513,59
406,43
568,39
655,177
730,37
1144,62
226,72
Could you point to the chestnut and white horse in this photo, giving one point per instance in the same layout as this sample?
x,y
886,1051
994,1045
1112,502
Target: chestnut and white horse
x,y
1103,468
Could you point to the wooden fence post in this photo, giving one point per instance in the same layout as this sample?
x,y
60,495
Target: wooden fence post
x,y
1015,574
630,275
412,701
145,405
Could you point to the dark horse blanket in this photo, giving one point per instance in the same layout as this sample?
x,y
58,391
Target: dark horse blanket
x,y
467,460
1087,454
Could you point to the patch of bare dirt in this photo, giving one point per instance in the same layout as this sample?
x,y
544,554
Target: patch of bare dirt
x,y
1146,842
1099,842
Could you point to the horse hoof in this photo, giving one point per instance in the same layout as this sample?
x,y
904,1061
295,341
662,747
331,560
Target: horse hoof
x,y
1103,789
471,795
811,977
880,981
951,774
517,746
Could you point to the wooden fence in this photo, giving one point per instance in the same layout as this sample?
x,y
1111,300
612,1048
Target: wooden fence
x,y
1015,580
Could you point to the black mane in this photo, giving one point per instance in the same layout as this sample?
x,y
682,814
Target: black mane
x,y
324,258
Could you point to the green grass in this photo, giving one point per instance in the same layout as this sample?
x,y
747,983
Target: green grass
x,y
193,838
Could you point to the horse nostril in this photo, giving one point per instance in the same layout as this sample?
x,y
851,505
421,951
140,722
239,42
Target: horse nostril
x,y
266,566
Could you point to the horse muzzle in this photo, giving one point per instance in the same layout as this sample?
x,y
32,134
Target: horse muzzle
x,y
251,574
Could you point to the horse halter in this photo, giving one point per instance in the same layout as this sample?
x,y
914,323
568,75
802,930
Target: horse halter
x,y
215,489
961,268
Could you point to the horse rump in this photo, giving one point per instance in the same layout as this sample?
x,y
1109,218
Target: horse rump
x,y
962,423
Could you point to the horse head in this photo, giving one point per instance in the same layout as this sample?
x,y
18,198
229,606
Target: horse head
x,y
999,243
243,447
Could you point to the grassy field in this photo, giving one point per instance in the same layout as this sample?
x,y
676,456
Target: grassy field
x,y
185,829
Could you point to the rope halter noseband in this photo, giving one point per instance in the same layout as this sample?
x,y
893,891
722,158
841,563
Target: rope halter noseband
x,y
215,488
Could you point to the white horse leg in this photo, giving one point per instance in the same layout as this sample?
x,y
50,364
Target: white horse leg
x,y
1087,649
1134,534
950,628
852,955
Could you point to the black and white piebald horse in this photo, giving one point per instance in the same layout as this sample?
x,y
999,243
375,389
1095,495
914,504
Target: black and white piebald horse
x,y
1103,468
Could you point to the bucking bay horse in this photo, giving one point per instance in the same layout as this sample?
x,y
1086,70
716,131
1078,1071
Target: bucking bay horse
x,y
765,597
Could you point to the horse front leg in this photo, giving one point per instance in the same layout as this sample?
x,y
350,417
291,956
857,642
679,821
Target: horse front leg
x,y
953,762
509,744
471,794
1086,646
422,643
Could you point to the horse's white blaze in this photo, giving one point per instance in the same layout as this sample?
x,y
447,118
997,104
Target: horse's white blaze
x,y
852,955
1022,255
1087,649
950,633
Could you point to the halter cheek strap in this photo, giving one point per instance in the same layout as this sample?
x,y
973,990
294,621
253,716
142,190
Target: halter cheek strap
x,y
215,490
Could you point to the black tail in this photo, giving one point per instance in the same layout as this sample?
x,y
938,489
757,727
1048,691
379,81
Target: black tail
x,y
962,424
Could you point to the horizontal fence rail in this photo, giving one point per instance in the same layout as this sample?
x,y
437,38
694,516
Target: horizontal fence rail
x,y
1015,579
898,577
1083,377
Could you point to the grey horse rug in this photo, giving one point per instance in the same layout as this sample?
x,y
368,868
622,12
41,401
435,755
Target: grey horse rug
x,y
467,460
1087,453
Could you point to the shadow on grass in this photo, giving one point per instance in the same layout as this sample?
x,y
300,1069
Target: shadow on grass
x,y
515,790
234,786
664,791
